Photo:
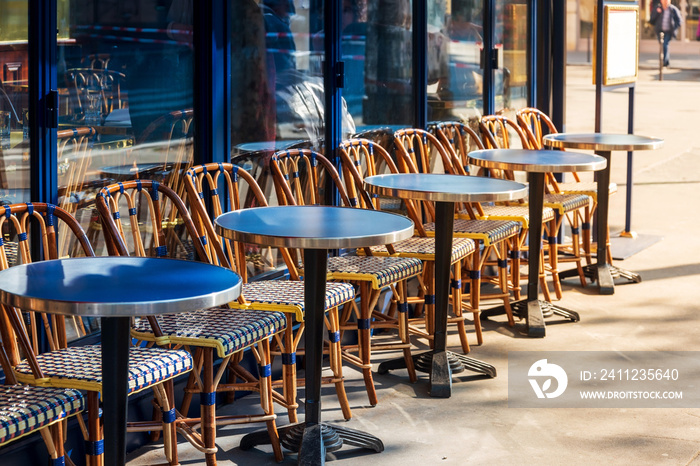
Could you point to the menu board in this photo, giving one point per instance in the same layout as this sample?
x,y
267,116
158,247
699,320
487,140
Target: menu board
x,y
620,44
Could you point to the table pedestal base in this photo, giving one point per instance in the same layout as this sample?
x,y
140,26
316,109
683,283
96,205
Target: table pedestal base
x,y
607,273
314,441
521,309
441,366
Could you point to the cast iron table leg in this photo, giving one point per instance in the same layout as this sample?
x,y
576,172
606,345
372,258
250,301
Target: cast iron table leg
x,y
440,362
606,284
603,271
535,319
115,373
532,308
312,438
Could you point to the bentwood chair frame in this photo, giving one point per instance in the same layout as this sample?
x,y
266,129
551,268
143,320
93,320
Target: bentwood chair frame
x,y
361,158
224,183
495,130
303,177
419,151
78,367
202,332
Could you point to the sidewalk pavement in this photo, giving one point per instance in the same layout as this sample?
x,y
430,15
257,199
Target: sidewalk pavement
x,y
475,425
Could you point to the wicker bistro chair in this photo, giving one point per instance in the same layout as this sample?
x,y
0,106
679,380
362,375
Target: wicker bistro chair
x,y
230,188
495,130
79,367
25,409
534,123
418,151
459,139
301,177
360,158
204,333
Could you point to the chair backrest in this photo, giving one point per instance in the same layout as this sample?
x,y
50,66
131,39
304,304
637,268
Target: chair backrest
x,y
459,139
19,223
226,187
496,132
418,151
360,158
159,222
304,177
535,123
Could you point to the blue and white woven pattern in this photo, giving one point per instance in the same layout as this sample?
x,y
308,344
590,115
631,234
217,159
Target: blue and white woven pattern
x,y
381,271
488,231
81,367
24,409
288,295
566,202
587,188
227,330
424,248
517,213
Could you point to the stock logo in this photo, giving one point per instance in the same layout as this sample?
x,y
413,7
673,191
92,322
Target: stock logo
x,y
546,372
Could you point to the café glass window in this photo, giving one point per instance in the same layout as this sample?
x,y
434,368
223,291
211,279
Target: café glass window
x,y
455,77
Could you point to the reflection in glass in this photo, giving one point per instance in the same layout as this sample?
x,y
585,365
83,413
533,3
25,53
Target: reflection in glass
x,y
511,34
455,86
376,43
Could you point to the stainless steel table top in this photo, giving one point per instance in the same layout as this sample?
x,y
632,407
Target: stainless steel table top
x,y
117,286
444,188
313,227
538,161
602,141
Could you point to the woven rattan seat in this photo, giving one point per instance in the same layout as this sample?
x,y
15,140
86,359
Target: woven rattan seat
x,y
80,367
519,213
289,295
380,271
25,409
225,330
423,248
488,231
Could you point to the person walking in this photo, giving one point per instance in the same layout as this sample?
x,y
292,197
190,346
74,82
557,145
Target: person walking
x,y
666,19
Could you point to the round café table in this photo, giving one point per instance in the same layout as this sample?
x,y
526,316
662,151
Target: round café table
x,y
315,229
536,163
444,190
117,289
603,145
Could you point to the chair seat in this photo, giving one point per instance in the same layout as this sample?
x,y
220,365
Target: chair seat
x,y
587,188
288,296
25,409
488,231
80,367
564,203
424,248
227,330
516,213
380,271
